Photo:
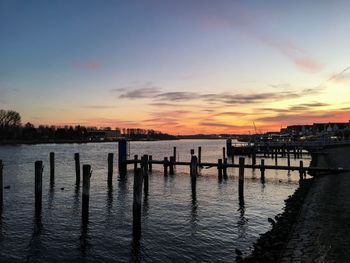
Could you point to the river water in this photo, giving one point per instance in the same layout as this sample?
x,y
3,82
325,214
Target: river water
x,y
177,224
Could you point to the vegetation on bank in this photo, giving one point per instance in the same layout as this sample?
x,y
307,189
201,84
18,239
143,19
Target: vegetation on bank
x,y
12,131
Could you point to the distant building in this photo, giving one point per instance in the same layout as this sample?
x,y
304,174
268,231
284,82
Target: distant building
x,y
100,135
316,128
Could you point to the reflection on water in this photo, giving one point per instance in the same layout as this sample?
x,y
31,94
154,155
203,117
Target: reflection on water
x,y
182,220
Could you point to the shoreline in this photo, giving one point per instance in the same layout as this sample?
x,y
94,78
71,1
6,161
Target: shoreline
x,y
270,245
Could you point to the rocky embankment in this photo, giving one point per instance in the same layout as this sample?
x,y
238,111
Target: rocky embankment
x,y
270,245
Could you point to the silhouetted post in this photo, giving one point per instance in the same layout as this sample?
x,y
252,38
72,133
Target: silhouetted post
x,y
241,178
229,147
199,155
1,184
135,162
192,152
276,156
262,169
254,157
136,206
38,185
283,151
77,168
223,153
144,167
225,169
194,167
295,152
150,163
232,154
110,168
220,169
52,169
301,170
165,164
122,152
171,165
288,157
86,192
174,153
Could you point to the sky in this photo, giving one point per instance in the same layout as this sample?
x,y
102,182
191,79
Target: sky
x,y
181,67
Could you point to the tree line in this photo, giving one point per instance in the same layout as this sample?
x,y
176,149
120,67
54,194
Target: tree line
x,y
11,128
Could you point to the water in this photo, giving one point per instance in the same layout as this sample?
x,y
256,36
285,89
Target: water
x,y
178,225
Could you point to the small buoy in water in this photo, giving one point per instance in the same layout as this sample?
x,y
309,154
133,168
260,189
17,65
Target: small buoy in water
x,y
7,187
238,252
62,188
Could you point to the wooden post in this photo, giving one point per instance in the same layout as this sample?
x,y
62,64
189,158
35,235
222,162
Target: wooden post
x,y
225,169
276,156
77,168
254,157
194,167
241,179
1,185
174,153
136,206
199,155
192,152
288,157
122,152
223,153
150,163
38,185
171,165
229,147
52,169
232,154
165,164
110,168
295,152
262,169
135,163
86,193
301,170
144,167
220,169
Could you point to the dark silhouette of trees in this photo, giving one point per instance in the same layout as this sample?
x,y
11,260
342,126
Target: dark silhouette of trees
x,y
11,129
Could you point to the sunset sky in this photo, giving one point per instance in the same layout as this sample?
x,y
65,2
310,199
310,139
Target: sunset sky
x,y
181,67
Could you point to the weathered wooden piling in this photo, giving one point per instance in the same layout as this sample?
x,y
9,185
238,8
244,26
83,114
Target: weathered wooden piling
x,y
77,168
295,152
288,158
229,147
262,170
223,153
254,157
86,193
241,178
110,168
38,185
301,170
150,163
171,165
276,157
135,163
122,153
52,169
165,165
194,167
225,169
199,155
1,185
174,153
136,206
220,169
144,166
192,152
